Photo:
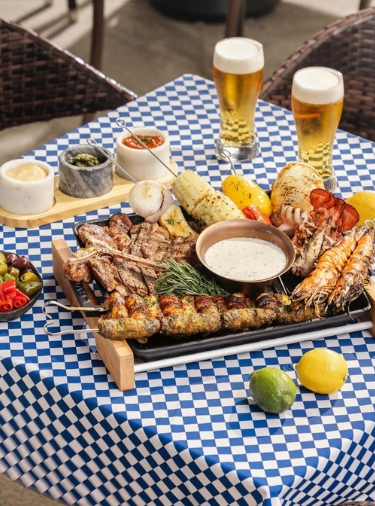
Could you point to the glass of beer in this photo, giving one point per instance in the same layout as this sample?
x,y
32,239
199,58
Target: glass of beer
x,y
238,74
317,102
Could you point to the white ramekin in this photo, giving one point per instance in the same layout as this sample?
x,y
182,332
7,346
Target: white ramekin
x,y
26,197
140,163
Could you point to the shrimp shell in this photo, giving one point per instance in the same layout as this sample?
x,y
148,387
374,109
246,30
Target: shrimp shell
x,y
355,275
316,288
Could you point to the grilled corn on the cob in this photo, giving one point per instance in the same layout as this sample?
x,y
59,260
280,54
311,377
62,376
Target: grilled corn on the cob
x,y
190,188
199,199
215,207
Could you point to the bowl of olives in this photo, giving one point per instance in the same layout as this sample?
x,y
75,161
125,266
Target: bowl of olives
x,y
20,285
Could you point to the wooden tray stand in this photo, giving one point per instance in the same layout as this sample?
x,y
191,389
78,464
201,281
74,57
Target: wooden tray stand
x,y
116,355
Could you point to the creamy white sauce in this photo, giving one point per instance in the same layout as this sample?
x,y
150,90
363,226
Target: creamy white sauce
x,y
27,172
245,259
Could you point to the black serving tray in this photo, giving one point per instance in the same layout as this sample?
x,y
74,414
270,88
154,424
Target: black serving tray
x,y
160,346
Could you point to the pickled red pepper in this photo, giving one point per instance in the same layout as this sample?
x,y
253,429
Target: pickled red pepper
x,y
11,297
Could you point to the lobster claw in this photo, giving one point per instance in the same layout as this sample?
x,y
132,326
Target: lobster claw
x,y
349,217
322,198
344,215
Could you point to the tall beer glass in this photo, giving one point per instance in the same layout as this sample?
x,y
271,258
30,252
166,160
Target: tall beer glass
x,y
317,102
238,75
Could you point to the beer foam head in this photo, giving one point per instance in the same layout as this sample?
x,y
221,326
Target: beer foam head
x,y
318,85
238,55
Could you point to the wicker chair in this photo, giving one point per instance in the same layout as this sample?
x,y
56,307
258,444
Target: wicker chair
x,y
347,45
40,81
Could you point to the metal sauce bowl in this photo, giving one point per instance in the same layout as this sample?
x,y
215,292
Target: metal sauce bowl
x,y
244,228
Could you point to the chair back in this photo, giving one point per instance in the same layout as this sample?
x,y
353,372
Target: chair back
x,y
40,81
347,45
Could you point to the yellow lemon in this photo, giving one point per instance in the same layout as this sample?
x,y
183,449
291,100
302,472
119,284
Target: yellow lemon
x,y
364,203
244,192
322,371
272,389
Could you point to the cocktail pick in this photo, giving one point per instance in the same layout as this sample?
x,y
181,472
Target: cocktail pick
x,y
68,308
121,123
93,142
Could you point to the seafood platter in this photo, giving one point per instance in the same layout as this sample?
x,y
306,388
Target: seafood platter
x,y
140,285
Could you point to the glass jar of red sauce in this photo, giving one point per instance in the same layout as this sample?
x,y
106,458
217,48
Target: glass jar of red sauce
x,y
151,141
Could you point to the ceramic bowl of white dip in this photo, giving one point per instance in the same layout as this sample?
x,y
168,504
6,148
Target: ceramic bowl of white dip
x,y
26,186
245,255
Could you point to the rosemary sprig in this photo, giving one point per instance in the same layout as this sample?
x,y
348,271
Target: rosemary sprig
x,y
183,279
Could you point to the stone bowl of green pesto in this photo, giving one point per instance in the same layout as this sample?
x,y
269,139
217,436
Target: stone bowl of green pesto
x,y
84,172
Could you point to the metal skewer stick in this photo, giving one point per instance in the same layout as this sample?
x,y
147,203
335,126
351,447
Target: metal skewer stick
x,y
93,142
121,123
227,156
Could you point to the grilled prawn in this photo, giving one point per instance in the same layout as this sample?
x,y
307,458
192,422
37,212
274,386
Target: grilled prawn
x,y
356,273
316,288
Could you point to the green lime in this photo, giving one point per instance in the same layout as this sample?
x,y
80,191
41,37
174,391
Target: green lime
x,y
272,389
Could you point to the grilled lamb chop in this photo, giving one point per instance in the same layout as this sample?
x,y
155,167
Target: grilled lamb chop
x,y
120,236
130,276
120,220
100,266
76,268
126,257
93,235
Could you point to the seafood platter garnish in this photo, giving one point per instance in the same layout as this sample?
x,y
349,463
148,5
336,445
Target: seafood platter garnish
x,y
157,296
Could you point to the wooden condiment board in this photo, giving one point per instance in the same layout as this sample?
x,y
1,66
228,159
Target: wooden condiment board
x,y
116,355
66,206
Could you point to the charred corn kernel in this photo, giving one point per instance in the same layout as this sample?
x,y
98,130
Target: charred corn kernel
x,y
174,221
190,188
244,192
215,207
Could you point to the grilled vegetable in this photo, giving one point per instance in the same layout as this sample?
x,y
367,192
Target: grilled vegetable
x,y
150,199
244,192
190,188
206,205
215,207
174,221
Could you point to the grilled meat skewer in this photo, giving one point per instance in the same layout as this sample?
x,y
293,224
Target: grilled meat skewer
x,y
131,317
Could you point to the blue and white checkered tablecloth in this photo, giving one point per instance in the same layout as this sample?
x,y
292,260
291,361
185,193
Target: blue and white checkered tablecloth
x,y
189,434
